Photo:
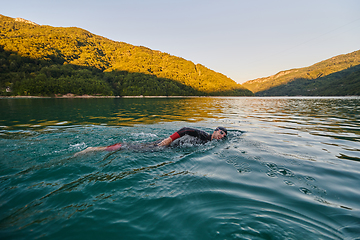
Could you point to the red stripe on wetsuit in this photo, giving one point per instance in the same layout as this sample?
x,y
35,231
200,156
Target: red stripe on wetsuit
x,y
175,136
113,147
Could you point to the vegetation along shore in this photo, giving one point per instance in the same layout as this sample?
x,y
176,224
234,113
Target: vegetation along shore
x,y
39,60
45,60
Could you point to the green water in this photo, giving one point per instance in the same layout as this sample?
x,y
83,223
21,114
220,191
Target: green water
x,y
290,169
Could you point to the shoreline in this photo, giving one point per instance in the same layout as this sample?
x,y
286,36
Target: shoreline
x,y
88,96
71,96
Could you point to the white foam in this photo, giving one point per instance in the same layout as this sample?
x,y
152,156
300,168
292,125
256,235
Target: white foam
x,y
78,146
144,134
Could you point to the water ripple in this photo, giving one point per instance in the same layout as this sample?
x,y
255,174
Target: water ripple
x,y
289,169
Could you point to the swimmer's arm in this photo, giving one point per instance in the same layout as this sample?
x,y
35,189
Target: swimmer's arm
x,y
173,137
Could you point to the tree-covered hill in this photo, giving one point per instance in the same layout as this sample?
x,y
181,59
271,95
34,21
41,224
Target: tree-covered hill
x,y
45,60
337,76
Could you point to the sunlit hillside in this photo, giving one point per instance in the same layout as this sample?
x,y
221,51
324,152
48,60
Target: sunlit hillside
x,y
45,60
337,76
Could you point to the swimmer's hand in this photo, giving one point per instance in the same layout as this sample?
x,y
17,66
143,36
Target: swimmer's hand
x,y
165,142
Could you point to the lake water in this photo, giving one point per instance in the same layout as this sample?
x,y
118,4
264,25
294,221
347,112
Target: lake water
x,y
289,169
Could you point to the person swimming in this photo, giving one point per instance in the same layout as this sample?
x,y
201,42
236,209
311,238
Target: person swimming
x,y
199,135
219,133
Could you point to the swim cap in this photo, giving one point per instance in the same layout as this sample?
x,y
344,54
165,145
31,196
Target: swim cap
x,y
221,128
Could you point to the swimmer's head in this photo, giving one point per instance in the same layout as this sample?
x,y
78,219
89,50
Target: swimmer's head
x,y
219,133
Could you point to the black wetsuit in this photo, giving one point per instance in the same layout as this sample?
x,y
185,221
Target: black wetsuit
x,y
200,138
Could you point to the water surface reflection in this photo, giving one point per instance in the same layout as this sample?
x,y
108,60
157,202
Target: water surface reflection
x,y
22,113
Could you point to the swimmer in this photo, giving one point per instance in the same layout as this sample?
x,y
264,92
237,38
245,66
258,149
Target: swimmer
x,y
204,137
201,136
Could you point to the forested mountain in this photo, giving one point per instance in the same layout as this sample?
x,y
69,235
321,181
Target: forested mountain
x,y
337,76
45,60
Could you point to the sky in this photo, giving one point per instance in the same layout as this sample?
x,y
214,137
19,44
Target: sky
x,y
243,40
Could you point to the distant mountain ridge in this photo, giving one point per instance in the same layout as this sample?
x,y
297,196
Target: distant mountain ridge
x,y
337,76
44,60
